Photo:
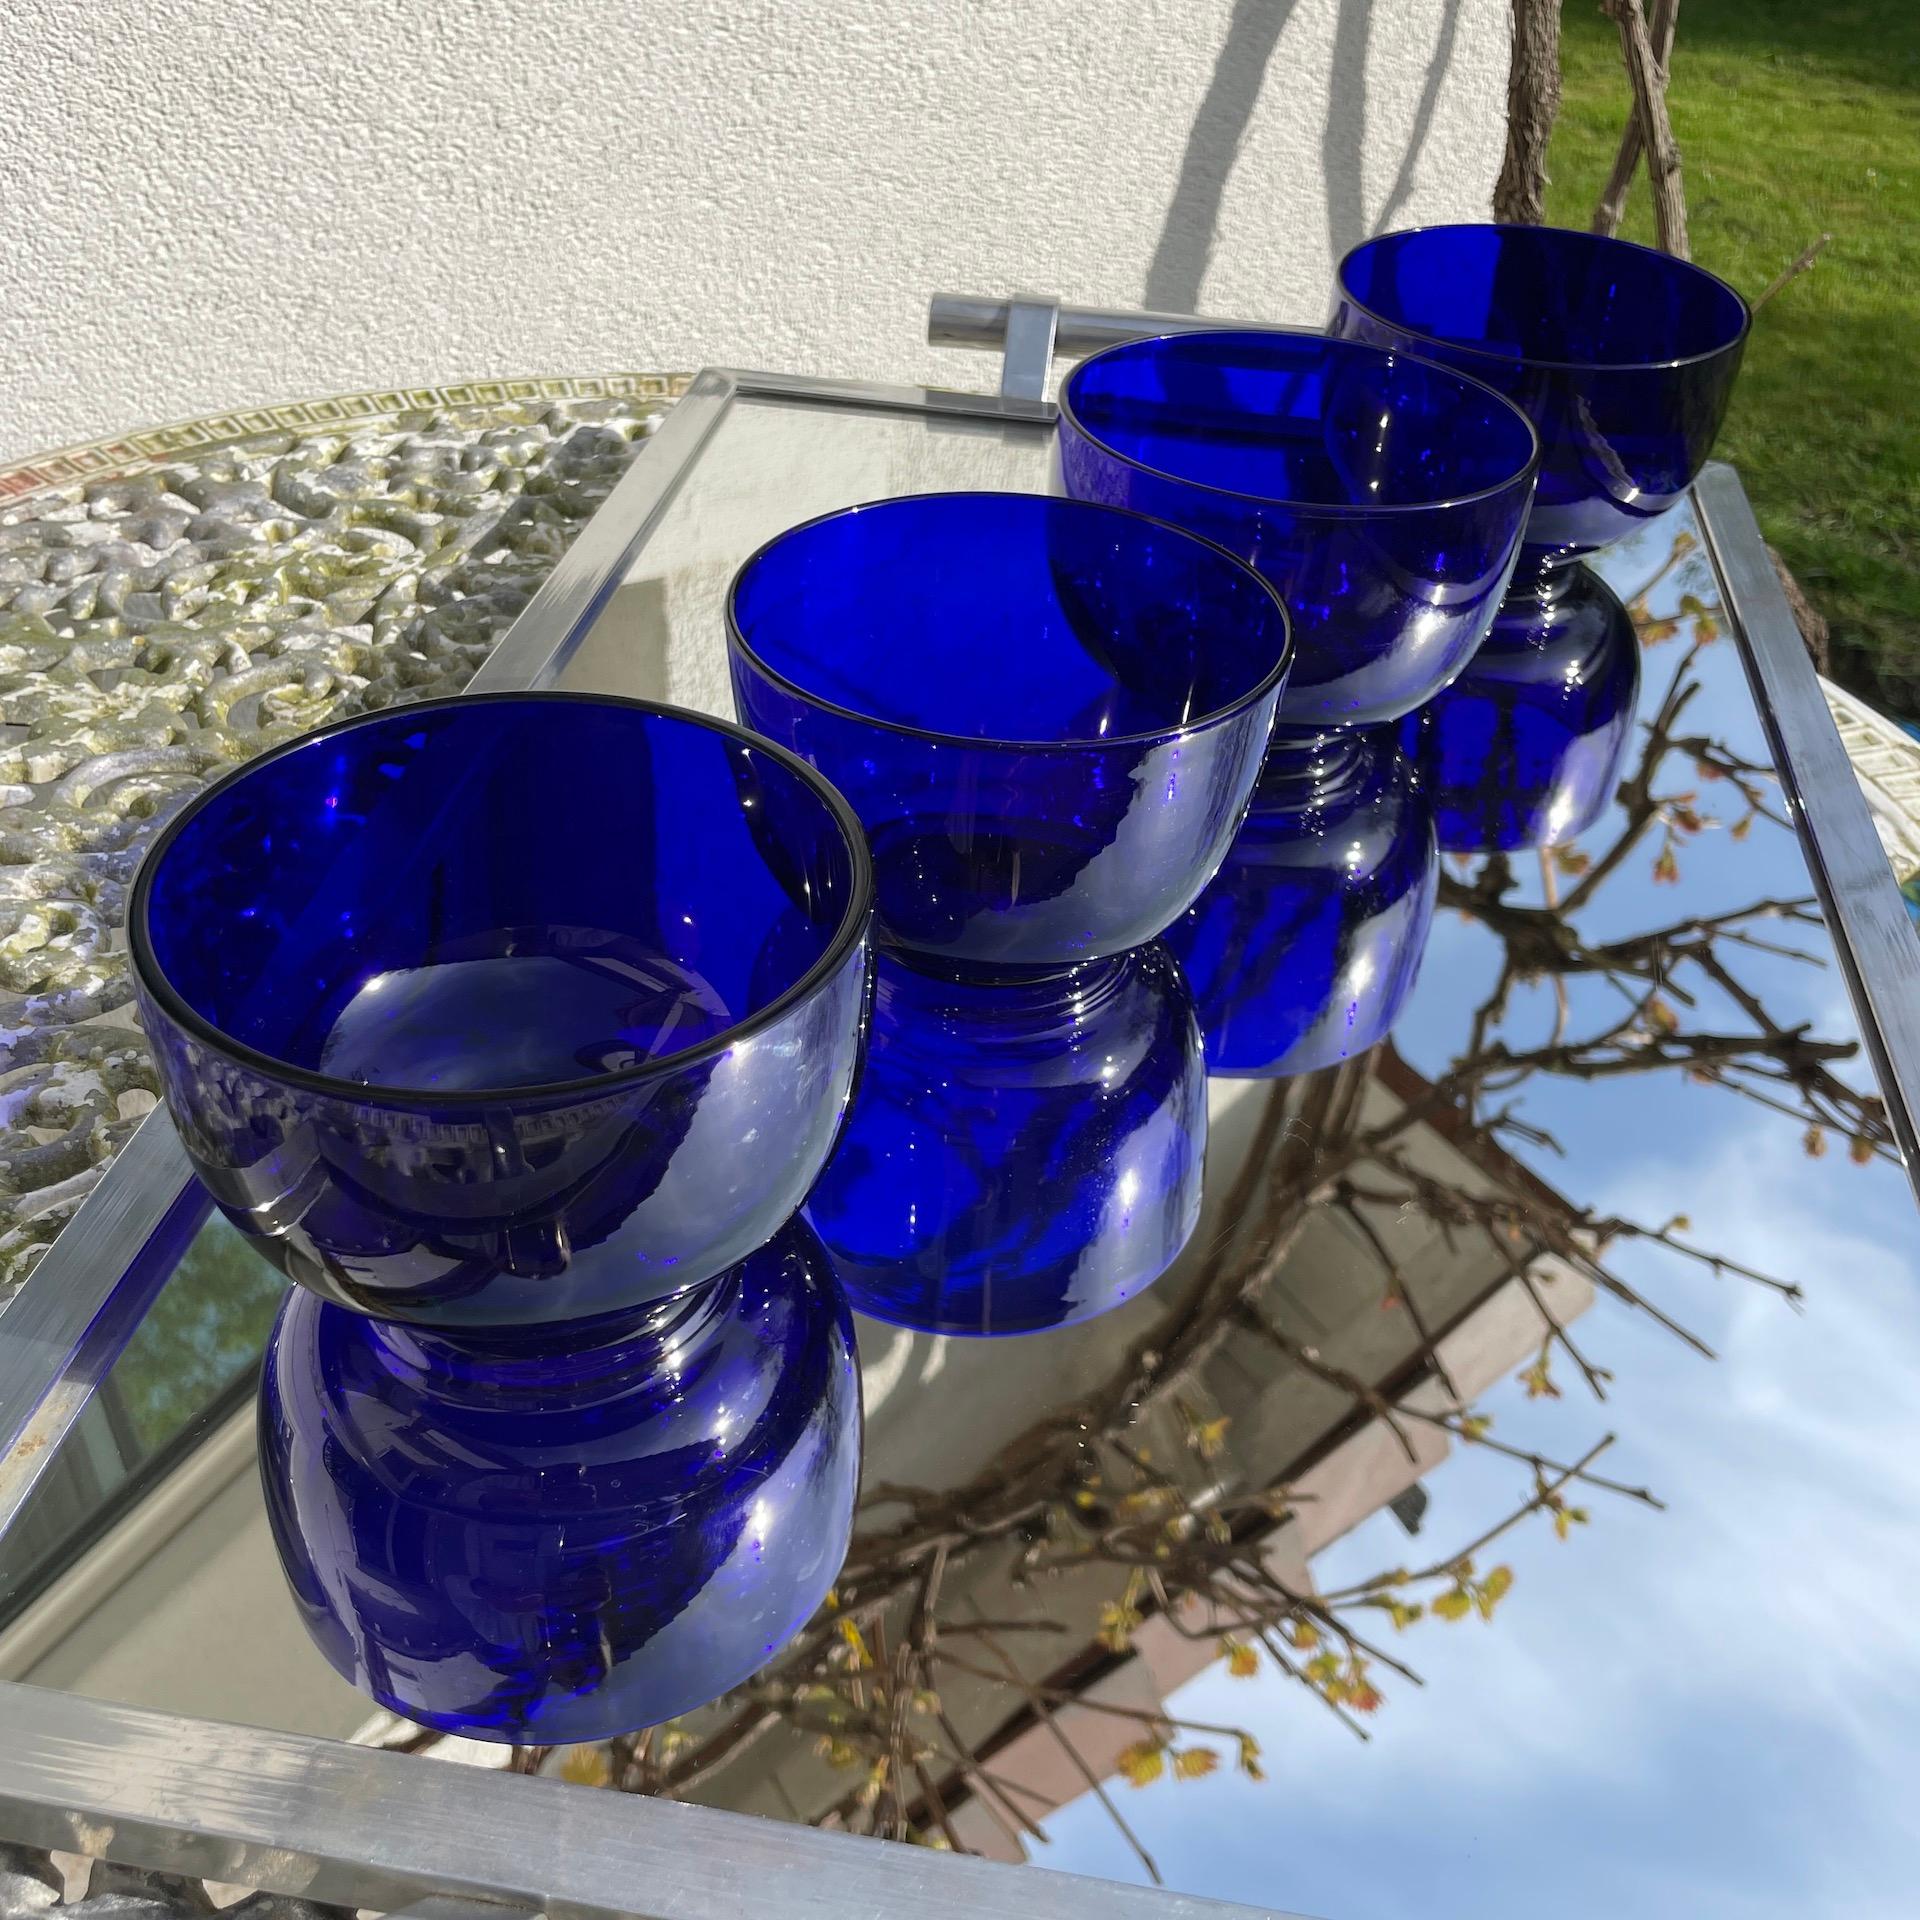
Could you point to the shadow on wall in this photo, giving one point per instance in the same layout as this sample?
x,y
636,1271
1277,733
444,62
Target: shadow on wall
x,y
1180,257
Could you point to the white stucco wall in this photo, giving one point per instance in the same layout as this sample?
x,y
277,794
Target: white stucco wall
x,y
210,202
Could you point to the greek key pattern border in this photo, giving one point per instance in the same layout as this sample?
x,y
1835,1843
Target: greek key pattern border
x,y
153,446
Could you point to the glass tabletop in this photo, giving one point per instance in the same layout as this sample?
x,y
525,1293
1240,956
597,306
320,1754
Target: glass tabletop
x,y
1505,1502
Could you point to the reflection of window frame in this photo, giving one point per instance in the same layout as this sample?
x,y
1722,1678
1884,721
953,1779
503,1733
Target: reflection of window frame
x,y
109,1463
100,1475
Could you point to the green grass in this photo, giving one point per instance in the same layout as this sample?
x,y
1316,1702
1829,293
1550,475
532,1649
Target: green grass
x,y
1796,118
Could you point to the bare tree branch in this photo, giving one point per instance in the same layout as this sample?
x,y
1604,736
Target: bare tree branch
x,y
1647,76
1626,162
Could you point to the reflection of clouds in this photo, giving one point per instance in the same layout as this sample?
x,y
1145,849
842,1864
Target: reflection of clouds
x,y
1821,1500
1711,1710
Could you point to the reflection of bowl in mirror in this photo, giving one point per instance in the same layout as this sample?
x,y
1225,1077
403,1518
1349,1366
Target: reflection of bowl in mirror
x,y
507,1010
1381,495
1048,716
1019,1155
564,1540
1623,358
1525,748
1304,947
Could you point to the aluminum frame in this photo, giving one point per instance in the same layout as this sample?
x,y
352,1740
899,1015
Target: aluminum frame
x,y
966,320
1874,938
362,1827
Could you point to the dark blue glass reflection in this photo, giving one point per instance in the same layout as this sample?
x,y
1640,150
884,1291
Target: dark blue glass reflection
x,y
1302,950
1048,716
1021,1155
1525,748
1623,358
1382,496
570,1539
507,1010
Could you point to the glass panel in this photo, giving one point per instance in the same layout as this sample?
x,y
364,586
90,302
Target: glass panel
x,y
1533,1401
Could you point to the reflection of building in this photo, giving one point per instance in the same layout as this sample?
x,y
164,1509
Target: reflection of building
x,y
1284,1425
178,1603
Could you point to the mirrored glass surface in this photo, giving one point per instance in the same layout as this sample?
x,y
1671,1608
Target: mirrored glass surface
x,y
1505,1505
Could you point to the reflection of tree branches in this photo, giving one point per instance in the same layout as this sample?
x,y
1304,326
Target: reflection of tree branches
x,y
1185,1538
1779,1066
1348,1197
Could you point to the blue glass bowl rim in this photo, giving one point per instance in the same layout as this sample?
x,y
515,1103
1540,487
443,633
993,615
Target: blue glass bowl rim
x,y
979,743
851,931
1600,242
1524,474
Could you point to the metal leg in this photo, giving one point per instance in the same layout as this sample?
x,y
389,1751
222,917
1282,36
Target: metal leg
x,y
966,320
1033,319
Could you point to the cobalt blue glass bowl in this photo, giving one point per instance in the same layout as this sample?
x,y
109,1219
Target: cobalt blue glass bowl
x,y
1018,1156
1623,358
508,1010
1047,715
1383,496
1303,949
1525,748
568,1539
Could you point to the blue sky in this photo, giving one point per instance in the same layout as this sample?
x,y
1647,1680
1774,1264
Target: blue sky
x,y
1715,1709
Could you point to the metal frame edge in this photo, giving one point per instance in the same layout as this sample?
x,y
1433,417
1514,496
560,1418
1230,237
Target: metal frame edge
x,y
361,1827
1876,943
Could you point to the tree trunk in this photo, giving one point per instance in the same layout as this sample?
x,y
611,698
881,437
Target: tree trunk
x,y
1533,103
1806,616
1606,216
1648,78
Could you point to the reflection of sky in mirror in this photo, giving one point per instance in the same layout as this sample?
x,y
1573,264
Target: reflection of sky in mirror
x,y
1707,1710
